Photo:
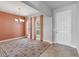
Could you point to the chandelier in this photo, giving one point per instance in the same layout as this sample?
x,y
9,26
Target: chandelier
x,y
19,19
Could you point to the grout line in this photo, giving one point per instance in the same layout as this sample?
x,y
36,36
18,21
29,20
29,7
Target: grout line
x,y
6,55
3,51
44,50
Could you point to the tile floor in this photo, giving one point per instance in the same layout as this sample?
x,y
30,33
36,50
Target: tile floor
x,y
31,48
22,48
58,50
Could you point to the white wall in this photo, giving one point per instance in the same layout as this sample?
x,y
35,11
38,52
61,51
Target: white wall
x,y
76,27
47,29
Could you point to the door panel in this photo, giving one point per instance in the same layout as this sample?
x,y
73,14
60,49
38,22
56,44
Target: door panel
x,y
63,27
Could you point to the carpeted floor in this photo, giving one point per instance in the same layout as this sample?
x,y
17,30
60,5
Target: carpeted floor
x,y
22,48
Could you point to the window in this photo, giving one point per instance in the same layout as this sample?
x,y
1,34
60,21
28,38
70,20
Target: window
x,y
38,29
28,28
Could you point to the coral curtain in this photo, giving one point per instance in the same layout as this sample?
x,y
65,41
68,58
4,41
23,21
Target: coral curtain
x,y
35,28
30,27
41,28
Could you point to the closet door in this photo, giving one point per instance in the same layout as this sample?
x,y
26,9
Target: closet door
x,y
63,27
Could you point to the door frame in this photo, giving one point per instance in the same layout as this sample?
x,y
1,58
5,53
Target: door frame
x,y
73,8
68,41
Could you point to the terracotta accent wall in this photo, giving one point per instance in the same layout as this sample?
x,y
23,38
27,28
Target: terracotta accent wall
x,y
9,28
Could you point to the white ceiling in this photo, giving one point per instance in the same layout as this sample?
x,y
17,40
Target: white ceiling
x,y
58,4
12,7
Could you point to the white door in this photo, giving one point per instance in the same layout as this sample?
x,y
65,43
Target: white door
x,y
63,27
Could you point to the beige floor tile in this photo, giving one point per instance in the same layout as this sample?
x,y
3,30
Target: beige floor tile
x,y
58,50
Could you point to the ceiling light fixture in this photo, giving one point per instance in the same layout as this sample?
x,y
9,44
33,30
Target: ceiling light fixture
x,y
16,20
19,19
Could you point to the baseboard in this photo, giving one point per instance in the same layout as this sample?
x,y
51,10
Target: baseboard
x,y
78,50
67,45
48,41
12,39
70,46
